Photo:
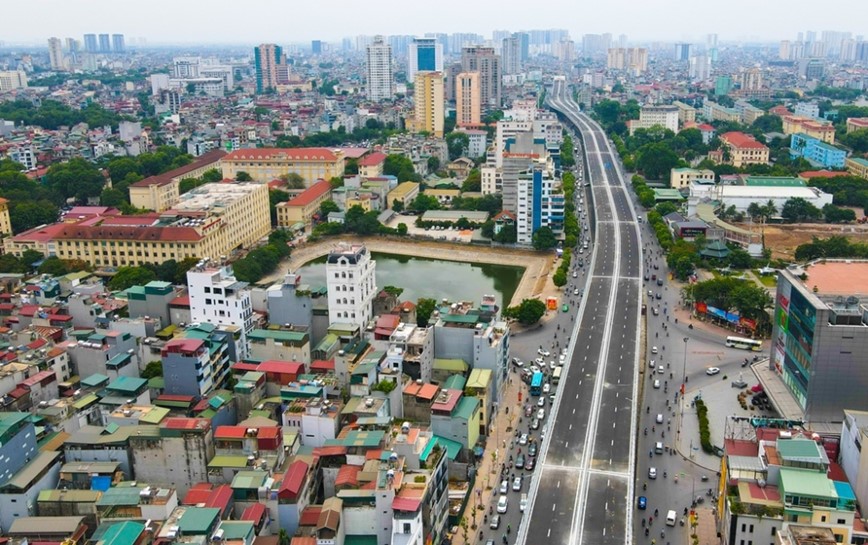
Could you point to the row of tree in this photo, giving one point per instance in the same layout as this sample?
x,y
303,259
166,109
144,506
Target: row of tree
x,y
51,114
732,294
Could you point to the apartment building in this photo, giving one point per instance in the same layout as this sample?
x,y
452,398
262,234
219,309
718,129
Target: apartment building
x,y
160,193
744,149
209,221
267,164
817,152
350,275
428,103
681,178
468,109
856,123
650,116
821,130
857,166
217,298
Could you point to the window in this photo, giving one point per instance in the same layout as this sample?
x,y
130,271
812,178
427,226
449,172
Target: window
x,y
751,528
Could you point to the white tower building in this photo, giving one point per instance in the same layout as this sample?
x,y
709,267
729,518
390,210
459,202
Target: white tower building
x,y
381,81
218,298
352,284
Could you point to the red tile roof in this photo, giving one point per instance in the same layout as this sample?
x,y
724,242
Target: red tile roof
x,y
293,480
348,476
373,159
109,232
220,497
310,194
808,174
182,423
196,496
229,432
310,516
332,450
277,366
322,365
741,140
291,154
406,504
254,513
45,233
203,160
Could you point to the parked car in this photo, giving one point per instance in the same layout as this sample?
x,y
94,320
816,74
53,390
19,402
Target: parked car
x,y
528,465
541,414
532,449
534,424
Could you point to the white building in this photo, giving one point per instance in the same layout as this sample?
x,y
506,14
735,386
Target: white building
x,y
13,79
23,155
381,82
352,284
424,54
807,109
539,205
217,298
700,68
478,141
741,196
649,116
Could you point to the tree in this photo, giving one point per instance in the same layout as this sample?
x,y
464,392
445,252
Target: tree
x,y
754,210
424,308
798,209
528,312
473,182
293,180
543,238
433,164
506,235
856,140
768,123
327,207
398,206
401,167
422,203
656,161
242,176
112,197
53,266
457,143
26,215
77,178
126,277
152,370
834,214
212,175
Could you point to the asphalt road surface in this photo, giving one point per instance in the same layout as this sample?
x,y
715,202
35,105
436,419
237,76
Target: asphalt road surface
x,y
586,465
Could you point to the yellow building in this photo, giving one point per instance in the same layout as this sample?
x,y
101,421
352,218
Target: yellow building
x,y
5,222
267,164
468,109
404,193
857,166
209,221
443,196
744,149
794,124
302,208
856,123
371,165
429,116
161,192
681,178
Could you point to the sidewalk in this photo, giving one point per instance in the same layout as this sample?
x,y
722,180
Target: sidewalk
x,y
488,469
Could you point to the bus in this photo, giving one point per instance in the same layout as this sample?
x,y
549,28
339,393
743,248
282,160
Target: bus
x,y
556,375
744,344
536,384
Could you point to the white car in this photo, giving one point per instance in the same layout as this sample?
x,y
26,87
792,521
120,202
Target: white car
x,y
547,388
541,402
659,418
576,291
522,440
522,505
562,358
504,486
661,370
502,504
712,371
575,275
652,364
552,365
517,362
543,352
541,414
516,484
653,349
657,384
652,472
539,361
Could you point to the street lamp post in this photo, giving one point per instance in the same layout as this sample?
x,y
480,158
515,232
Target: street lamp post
x,y
683,385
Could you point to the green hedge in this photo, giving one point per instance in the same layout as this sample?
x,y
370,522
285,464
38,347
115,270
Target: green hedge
x,y
704,433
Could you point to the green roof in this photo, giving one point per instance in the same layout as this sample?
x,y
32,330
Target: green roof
x,y
773,181
667,194
127,384
453,448
360,540
122,533
860,161
226,460
466,407
197,520
136,293
454,382
10,423
155,415
455,365
278,335
327,342
85,402
799,449
95,379
236,529
249,479
459,318
479,378
801,482
157,383
121,494
356,438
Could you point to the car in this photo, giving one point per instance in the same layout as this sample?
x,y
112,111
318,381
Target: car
x,y
528,411
541,414
653,277
532,449
552,365
517,362
645,278
494,523
565,308
522,505
547,388
575,274
657,384
504,486
539,361
739,384
541,402
642,502
576,291
543,352
655,311
536,369
652,472
658,296
653,349
581,263
489,542
712,371
661,370
528,465
522,439
519,461
652,364
552,398
516,484
562,358
564,351
659,281
502,504
659,418
534,424
650,293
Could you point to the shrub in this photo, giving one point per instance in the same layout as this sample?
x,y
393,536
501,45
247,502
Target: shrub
x,y
704,432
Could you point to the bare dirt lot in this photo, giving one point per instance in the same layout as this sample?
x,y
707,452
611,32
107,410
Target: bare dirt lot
x,y
783,239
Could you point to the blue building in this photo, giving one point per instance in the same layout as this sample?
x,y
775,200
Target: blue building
x,y
424,54
541,203
817,152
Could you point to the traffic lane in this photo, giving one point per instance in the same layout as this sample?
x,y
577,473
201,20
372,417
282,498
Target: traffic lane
x,y
553,510
605,262
603,524
576,388
614,426
630,262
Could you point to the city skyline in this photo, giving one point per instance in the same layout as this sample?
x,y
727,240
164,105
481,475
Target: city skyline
x,y
286,25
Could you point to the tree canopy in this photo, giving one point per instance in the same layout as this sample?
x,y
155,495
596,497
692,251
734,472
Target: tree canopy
x,y
77,178
543,238
528,312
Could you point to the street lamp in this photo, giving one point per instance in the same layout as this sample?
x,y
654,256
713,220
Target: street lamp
x,y
683,385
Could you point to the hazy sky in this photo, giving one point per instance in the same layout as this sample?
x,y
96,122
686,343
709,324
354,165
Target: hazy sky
x,y
292,21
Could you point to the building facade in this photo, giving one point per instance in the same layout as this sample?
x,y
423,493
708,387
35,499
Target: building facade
x,y
485,61
650,116
352,285
270,65
744,150
302,208
817,152
381,80
267,164
428,103
424,55
468,106
161,192
218,298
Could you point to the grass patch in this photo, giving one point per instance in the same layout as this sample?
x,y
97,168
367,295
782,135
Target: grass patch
x,y
767,280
